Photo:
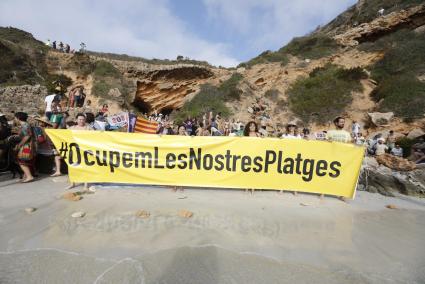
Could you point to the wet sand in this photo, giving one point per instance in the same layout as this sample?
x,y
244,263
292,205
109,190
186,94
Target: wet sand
x,y
232,237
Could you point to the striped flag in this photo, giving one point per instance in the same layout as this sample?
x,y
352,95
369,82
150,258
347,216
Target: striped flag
x,y
145,126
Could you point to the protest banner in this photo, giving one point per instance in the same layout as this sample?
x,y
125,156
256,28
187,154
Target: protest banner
x,y
231,162
118,120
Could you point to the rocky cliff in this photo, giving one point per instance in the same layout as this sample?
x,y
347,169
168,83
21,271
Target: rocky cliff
x,y
166,87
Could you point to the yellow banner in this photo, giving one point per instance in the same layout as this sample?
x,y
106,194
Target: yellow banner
x,y
231,162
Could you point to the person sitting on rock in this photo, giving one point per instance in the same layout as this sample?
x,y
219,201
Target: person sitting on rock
x,y
397,151
391,140
360,140
381,148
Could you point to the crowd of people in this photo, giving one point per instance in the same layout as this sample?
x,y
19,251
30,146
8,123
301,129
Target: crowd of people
x,y
64,47
30,142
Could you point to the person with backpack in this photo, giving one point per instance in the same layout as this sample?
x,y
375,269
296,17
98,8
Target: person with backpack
x,y
25,148
45,146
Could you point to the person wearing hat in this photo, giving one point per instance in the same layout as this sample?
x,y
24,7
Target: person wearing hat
x,y
381,148
291,131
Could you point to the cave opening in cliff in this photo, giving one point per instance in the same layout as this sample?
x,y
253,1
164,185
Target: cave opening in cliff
x,y
167,110
143,106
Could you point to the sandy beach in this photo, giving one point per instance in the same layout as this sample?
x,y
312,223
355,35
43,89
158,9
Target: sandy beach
x,y
232,237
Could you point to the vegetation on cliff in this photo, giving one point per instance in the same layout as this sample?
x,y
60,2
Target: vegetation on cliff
x,y
325,93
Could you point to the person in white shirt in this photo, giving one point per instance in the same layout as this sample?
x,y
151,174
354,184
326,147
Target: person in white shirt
x,y
291,132
381,148
360,140
397,151
355,129
48,101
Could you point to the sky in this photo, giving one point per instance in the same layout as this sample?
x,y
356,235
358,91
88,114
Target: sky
x,y
222,32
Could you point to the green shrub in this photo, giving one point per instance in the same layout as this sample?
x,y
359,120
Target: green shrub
x,y
208,99
22,58
229,89
312,47
105,69
404,95
368,11
81,63
267,57
324,94
387,42
397,72
101,88
404,56
52,81
406,144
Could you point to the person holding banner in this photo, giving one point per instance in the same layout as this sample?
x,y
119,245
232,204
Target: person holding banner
x,y
251,130
291,133
338,135
182,132
81,125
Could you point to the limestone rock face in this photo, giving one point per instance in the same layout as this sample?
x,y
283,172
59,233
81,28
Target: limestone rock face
x,y
380,179
27,98
167,89
415,133
413,17
395,163
380,118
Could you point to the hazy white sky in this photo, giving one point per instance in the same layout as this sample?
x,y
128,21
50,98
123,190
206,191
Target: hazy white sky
x,y
222,32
